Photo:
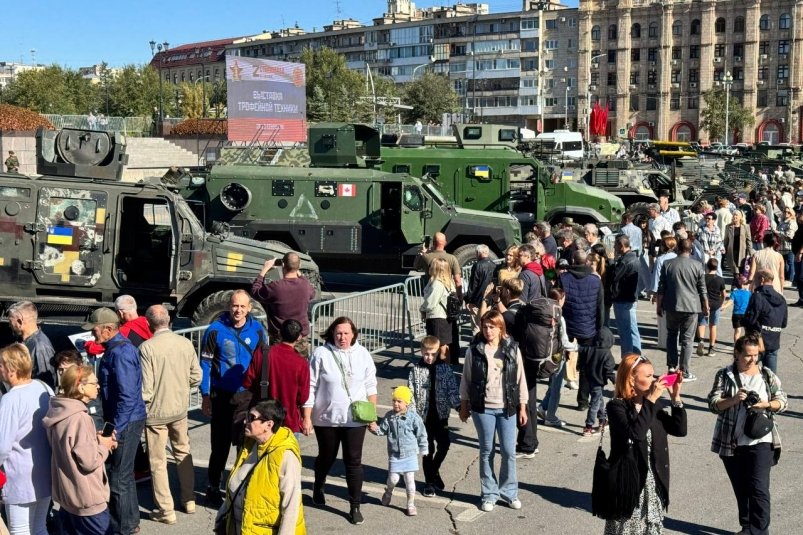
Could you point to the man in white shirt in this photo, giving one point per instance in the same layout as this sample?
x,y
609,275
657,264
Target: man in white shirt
x,y
670,214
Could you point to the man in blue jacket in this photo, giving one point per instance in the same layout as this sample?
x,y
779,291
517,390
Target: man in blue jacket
x,y
624,293
227,347
120,383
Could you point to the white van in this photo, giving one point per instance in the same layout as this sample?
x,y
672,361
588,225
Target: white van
x,y
570,144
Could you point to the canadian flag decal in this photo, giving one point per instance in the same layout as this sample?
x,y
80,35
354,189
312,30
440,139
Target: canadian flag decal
x,y
346,190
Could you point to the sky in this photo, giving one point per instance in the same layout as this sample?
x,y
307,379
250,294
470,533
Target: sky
x,y
78,34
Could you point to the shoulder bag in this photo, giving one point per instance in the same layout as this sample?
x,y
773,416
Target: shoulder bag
x,y
363,412
244,399
222,521
616,484
758,422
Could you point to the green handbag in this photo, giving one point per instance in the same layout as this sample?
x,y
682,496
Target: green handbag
x,y
363,412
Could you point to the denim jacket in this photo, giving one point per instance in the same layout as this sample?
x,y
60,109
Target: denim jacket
x,y
447,393
407,436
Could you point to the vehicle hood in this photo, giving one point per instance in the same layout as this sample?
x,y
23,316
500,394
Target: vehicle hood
x,y
246,256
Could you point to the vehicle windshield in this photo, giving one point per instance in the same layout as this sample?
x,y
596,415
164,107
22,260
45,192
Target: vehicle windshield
x,y
546,144
572,145
436,194
183,209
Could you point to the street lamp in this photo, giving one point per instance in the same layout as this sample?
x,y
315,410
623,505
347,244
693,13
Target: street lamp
x,y
203,76
727,82
178,103
588,97
566,100
430,62
160,47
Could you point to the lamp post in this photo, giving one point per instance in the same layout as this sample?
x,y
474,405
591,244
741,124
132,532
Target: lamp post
x,y
588,97
178,103
430,62
203,76
727,82
160,47
566,99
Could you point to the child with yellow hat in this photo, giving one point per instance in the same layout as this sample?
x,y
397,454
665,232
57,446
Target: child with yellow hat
x,y
407,438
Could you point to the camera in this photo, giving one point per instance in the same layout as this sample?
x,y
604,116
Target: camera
x,y
752,398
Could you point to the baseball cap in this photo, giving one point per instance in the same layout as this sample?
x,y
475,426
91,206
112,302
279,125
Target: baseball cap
x,y
101,316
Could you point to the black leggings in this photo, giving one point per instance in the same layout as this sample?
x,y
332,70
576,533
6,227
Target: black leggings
x,y
329,440
220,434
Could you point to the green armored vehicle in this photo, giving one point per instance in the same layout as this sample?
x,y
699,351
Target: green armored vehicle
x,y
76,238
481,167
344,211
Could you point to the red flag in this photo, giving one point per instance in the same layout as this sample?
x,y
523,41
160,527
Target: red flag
x,y
603,120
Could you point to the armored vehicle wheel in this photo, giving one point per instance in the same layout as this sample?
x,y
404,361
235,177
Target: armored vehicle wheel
x,y
215,304
467,254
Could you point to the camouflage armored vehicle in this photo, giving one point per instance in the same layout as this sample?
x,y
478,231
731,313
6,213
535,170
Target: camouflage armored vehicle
x,y
76,238
343,210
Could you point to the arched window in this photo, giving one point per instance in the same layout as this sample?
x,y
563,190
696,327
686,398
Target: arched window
x,y
719,25
771,134
683,133
785,22
596,33
635,31
613,31
738,25
695,27
643,133
764,22
677,28
652,31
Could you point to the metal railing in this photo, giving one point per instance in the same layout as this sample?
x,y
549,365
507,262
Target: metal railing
x,y
130,126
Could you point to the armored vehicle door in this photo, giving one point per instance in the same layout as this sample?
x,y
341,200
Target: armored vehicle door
x,y
70,232
413,213
146,244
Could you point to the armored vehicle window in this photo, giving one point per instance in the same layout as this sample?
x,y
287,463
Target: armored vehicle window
x,y
15,193
401,168
433,170
472,132
413,199
507,134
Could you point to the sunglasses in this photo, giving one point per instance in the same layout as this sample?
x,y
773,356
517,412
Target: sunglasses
x,y
253,418
636,362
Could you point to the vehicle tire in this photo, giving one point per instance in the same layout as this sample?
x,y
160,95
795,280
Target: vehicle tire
x,y
467,254
215,304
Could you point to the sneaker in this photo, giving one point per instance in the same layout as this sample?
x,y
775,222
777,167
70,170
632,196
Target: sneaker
x,y
672,370
487,506
388,495
582,407
710,350
514,504
689,377
189,507
438,482
355,516
318,497
700,349
588,431
164,517
411,510
429,491
554,423
214,497
572,385
526,455
540,413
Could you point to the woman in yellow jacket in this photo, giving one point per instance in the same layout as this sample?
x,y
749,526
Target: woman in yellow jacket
x,y
263,493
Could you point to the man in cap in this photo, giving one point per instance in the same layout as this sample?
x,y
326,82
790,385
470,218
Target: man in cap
x,y
120,382
12,163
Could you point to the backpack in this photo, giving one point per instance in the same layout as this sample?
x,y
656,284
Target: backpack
x,y
453,306
538,331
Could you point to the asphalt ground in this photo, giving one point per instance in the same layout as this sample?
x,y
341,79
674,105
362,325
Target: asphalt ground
x,y
554,486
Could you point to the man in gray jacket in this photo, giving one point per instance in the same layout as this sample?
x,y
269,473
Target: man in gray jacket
x,y
170,367
682,297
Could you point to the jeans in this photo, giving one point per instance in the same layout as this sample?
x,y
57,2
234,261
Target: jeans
x,y
789,265
28,518
749,473
770,360
597,407
552,397
329,440
99,524
124,505
627,327
220,435
527,439
489,423
437,433
680,327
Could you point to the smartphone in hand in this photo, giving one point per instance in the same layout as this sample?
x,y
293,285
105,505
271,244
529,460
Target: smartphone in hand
x,y
108,429
669,379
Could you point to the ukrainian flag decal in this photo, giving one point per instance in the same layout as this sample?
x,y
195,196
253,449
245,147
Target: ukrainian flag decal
x,y
233,260
482,171
59,235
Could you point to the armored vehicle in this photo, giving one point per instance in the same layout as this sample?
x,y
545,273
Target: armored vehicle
x,y
481,167
343,210
76,238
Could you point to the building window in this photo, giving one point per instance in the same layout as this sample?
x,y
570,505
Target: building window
x,y
635,31
771,134
652,103
764,22
550,83
570,44
529,24
676,52
572,23
719,74
652,30
552,24
694,29
763,73
738,73
783,46
781,98
719,25
635,54
783,72
677,28
652,77
719,50
761,99
692,102
738,25
675,76
635,77
634,102
694,52
550,102
613,31
611,56
764,47
674,102
694,75
652,54
596,33
611,79
549,64
612,104
683,132
594,78
738,50
550,44
785,22
529,65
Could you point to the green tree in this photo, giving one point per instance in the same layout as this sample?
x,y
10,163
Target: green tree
x,y
713,116
334,92
53,90
133,91
430,96
218,100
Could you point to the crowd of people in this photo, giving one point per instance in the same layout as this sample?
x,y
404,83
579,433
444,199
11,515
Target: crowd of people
x,y
71,426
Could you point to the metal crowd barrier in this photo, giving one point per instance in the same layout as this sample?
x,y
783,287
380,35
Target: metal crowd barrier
x,y
194,335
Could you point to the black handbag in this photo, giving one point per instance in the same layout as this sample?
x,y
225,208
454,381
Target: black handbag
x,y
759,422
616,484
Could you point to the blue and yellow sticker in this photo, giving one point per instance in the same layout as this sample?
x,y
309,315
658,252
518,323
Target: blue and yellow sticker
x,y
59,235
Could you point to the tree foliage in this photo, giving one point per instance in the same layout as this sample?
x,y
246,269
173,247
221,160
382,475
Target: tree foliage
x,y
15,118
712,118
431,96
52,90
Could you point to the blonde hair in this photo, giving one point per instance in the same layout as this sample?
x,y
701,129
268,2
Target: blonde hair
x,y
439,271
430,343
597,263
72,378
17,358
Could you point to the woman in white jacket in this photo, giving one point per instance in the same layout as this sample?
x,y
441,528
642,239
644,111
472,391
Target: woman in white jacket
x,y
433,309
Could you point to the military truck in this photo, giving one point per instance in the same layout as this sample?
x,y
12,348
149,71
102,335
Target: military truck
x,y
481,167
76,238
343,210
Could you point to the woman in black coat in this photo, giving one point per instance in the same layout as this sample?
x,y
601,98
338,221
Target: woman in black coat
x,y
636,417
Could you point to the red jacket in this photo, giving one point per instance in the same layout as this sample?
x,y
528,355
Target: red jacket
x,y
136,330
288,373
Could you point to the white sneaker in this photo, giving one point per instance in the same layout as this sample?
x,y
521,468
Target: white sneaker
x,y
487,507
572,385
515,504
526,455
